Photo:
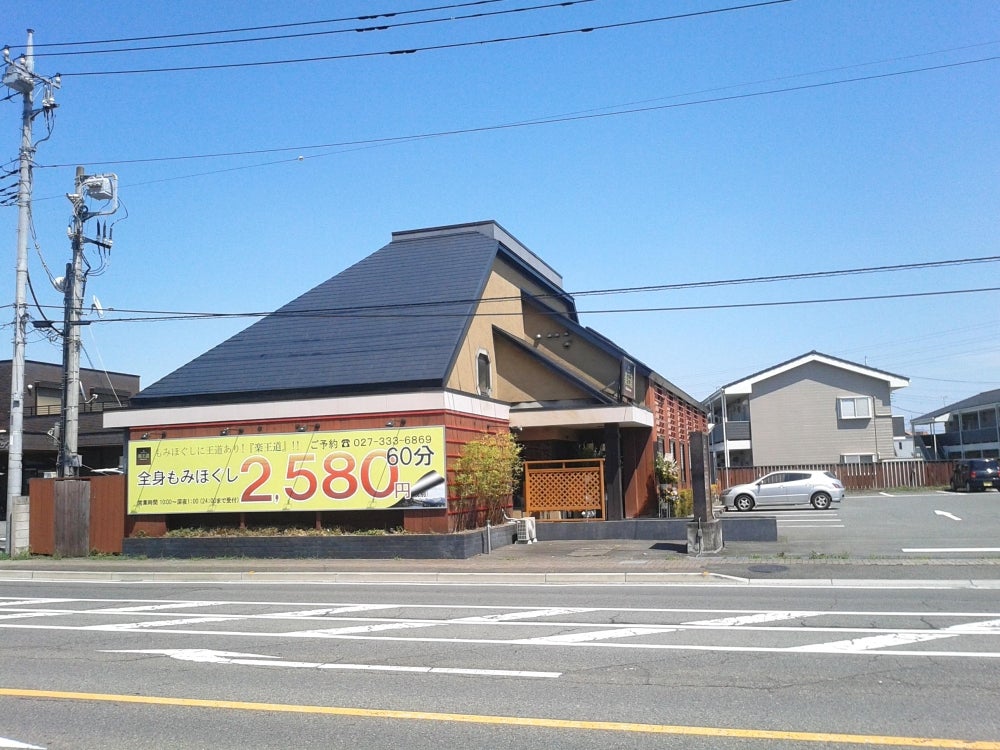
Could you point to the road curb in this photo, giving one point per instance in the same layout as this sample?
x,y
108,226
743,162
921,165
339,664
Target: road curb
x,y
692,579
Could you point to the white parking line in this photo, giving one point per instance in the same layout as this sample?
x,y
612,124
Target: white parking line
x,y
950,549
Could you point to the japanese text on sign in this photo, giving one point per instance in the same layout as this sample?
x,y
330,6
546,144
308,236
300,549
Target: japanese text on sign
x,y
349,470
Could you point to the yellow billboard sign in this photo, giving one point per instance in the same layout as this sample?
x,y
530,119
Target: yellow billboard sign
x,y
342,470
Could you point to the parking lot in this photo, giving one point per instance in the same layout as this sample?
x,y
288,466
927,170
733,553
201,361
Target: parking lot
x,y
928,524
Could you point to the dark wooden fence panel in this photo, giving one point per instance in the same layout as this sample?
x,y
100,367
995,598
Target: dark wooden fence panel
x,y
107,514
42,516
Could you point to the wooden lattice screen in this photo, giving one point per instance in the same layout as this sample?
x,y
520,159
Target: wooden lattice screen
x,y
572,489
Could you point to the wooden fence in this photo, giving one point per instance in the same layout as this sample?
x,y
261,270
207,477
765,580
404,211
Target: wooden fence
x,y
878,476
572,489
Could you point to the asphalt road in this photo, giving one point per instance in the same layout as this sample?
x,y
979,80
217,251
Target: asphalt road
x,y
714,665
875,624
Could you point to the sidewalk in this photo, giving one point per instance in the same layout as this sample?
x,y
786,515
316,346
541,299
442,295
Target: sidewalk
x,y
565,562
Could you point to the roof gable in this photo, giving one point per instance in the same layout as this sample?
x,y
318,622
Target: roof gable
x,y
392,321
745,385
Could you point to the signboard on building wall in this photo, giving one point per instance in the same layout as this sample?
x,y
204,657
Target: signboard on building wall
x,y
311,471
628,378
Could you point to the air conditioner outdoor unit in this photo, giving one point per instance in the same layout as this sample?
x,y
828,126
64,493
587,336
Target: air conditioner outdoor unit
x,y
525,530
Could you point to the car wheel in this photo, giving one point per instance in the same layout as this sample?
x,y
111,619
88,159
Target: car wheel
x,y
743,502
821,501
968,486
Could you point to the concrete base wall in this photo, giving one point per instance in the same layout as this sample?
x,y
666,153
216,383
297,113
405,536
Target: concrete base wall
x,y
458,546
19,526
756,529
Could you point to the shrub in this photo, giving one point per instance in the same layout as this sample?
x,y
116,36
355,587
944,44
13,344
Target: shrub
x,y
684,504
488,470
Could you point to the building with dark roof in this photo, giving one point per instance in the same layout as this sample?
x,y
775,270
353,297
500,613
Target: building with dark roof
x,y
100,449
441,336
969,428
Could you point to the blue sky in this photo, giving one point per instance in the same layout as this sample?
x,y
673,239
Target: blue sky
x,y
789,138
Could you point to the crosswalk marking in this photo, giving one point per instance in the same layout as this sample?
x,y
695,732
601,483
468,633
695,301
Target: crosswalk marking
x,y
524,615
596,635
163,623
361,629
856,645
754,619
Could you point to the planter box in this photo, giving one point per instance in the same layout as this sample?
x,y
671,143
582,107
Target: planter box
x,y
457,546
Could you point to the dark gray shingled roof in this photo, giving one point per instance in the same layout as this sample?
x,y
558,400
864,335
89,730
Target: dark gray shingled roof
x,y
391,322
986,398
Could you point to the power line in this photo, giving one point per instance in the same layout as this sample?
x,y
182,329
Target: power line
x,y
246,29
405,310
554,120
775,278
430,48
329,32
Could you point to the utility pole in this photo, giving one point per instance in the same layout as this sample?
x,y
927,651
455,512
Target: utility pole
x,y
100,187
68,464
20,76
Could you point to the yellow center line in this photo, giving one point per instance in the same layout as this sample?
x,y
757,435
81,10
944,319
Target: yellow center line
x,y
513,721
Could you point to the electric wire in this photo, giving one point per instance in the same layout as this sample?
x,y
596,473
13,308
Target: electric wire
x,y
303,35
558,119
429,48
400,313
246,29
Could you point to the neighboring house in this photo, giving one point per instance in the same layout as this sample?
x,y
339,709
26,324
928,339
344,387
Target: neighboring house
x,y
99,448
813,409
902,441
965,429
438,338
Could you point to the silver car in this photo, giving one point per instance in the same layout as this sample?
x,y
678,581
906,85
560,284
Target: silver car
x,y
820,488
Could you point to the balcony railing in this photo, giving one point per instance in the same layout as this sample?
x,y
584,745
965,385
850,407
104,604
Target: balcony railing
x,y
733,431
56,409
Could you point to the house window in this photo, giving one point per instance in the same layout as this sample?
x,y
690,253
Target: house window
x,y
855,408
857,458
483,374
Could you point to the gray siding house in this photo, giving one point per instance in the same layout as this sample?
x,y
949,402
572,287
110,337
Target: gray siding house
x,y
813,409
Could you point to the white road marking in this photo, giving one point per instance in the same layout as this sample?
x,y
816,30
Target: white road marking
x,y
504,616
867,640
4,742
154,607
859,645
807,526
119,626
989,626
946,514
595,635
754,619
256,660
361,629
950,549
32,613
32,602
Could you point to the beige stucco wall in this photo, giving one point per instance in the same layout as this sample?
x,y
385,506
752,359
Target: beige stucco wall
x,y
516,378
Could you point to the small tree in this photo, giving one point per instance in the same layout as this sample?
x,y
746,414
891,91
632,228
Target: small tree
x,y
489,469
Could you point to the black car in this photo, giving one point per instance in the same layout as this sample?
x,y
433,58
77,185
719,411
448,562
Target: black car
x,y
976,474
